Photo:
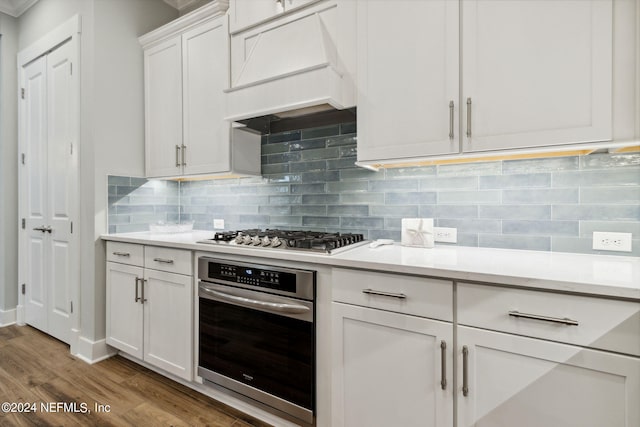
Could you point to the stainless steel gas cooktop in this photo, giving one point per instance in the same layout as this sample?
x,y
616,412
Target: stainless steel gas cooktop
x,y
309,241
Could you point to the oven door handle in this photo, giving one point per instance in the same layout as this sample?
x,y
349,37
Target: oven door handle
x,y
248,302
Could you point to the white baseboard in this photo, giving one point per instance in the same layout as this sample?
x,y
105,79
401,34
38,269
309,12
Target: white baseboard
x,y
90,351
20,315
7,317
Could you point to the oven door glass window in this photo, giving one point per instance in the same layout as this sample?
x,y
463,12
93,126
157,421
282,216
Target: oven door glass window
x,y
267,351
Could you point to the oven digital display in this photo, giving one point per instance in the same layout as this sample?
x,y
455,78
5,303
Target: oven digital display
x,y
278,280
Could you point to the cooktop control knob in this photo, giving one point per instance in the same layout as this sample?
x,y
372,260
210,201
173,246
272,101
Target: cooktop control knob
x,y
256,241
275,242
246,240
266,241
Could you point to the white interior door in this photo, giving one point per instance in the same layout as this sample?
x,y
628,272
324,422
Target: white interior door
x,y
61,188
36,215
49,123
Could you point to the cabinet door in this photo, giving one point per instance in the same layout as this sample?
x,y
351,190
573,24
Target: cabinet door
x,y
168,322
388,369
163,108
205,64
407,78
537,72
514,380
244,13
124,311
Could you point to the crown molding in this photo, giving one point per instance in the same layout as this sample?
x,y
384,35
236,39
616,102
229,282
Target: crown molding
x,y
180,4
208,11
16,8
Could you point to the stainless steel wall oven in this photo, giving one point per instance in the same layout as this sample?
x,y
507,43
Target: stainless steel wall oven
x,y
257,334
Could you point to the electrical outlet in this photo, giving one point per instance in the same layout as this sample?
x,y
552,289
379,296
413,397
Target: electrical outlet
x,y
612,241
218,224
445,234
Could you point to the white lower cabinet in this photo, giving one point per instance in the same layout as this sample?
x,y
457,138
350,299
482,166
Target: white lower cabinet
x,y
149,312
522,357
124,311
391,369
509,380
391,359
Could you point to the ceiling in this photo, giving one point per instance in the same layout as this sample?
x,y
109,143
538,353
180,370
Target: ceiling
x,y
15,8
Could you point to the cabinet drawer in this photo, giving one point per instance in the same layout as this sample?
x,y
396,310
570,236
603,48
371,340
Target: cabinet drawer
x,y
601,323
165,259
419,296
125,253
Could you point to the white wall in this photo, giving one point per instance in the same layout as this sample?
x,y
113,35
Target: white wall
x,y
112,118
119,111
8,168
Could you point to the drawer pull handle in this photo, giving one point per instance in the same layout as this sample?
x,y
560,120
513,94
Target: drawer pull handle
x,y
564,320
162,260
125,254
383,294
465,371
443,357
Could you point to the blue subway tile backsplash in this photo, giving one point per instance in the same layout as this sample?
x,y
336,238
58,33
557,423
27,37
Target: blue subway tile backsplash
x,y
309,180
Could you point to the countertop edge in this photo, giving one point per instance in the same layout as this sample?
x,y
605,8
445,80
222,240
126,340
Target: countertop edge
x,y
340,261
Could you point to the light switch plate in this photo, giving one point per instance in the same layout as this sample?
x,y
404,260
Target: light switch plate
x,y
218,224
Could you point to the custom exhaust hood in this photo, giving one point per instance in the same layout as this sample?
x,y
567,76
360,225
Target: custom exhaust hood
x,y
299,64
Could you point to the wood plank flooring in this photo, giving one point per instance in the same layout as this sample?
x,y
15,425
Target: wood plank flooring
x,y
35,368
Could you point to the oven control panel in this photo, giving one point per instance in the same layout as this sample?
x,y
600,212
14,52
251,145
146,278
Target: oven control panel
x,y
253,276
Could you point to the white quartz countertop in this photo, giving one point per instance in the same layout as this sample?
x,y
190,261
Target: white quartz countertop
x,y
604,275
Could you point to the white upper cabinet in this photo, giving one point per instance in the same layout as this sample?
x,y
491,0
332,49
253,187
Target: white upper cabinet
x,y
163,108
205,53
186,73
516,74
245,13
407,78
536,72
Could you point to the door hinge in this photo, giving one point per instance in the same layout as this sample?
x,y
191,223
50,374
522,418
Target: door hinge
x,y
22,93
24,158
71,68
24,223
71,227
72,148
71,305
24,288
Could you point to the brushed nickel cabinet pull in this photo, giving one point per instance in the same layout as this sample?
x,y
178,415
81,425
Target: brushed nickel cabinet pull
x,y
137,298
563,320
184,155
465,371
383,294
124,254
142,298
177,156
451,119
468,117
165,261
443,356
